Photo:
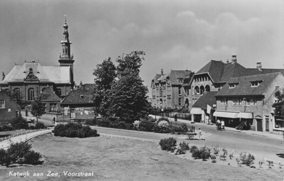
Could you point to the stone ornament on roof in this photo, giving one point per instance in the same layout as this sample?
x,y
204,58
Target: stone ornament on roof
x,y
31,76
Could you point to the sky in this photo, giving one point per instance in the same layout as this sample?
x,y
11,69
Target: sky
x,y
175,35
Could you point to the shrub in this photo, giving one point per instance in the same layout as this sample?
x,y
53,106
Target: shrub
x,y
184,146
40,125
19,123
31,127
32,157
19,153
6,128
168,144
203,152
184,127
146,126
103,122
216,150
247,158
121,125
74,130
193,148
91,122
2,155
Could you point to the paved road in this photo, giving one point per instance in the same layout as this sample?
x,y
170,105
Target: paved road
x,y
232,140
25,137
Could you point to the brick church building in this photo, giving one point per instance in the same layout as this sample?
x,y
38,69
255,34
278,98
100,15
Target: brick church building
x,y
30,79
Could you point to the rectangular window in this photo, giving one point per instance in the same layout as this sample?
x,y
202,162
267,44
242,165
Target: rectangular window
x,y
2,104
53,107
179,90
179,101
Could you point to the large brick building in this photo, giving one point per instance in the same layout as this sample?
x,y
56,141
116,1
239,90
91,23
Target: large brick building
x,y
31,78
168,91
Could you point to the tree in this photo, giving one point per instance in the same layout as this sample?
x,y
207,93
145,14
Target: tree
x,y
128,96
130,63
129,99
37,108
105,75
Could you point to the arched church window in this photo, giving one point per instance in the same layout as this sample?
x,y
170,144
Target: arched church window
x,y
31,95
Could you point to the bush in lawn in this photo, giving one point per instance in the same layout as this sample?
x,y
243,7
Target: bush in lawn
x,y
19,123
32,157
31,127
146,126
74,130
193,148
19,153
247,158
168,144
40,125
203,152
184,146
2,155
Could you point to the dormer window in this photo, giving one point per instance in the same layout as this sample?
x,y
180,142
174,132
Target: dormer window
x,y
255,83
233,85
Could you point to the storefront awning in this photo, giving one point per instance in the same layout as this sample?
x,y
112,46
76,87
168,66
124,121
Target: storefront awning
x,y
245,115
196,110
225,114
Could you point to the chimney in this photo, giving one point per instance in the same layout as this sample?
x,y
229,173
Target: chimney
x,y
162,72
258,66
234,59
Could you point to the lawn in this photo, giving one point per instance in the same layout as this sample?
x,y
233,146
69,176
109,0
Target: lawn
x,y
110,158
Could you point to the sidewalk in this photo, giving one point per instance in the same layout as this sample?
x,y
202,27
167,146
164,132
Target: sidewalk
x,y
249,132
25,137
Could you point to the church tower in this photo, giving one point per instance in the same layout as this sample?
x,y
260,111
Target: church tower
x,y
65,58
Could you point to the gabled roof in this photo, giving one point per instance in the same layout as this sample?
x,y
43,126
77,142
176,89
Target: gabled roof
x,y
255,71
48,95
54,74
12,103
79,96
173,76
207,99
244,85
222,72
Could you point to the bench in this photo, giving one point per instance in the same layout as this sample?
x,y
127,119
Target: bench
x,y
190,135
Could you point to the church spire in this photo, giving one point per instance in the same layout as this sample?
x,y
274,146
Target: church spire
x,y
65,58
